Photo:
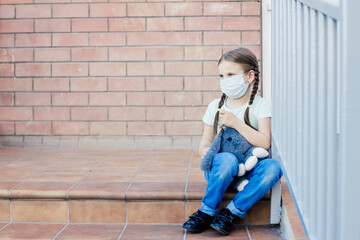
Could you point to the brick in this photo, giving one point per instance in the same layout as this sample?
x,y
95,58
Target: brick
x,y
33,128
165,24
211,68
126,113
86,1
15,1
250,38
70,39
108,10
146,128
107,39
183,38
183,9
164,84
16,55
203,53
70,128
127,54
107,69
183,68
53,1
164,113
210,96
250,8
32,99
108,128
89,54
88,113
184,128
107,99
69,69
16,113
145,99
15,84
52,25
89,25
127,24
222,8
33,11
33,40
32,69
203,23
7,128
51,113
183,99
51,84
7,40
194,113
6,70
165,53
145,68
70,10
70,99
241,23
7,11
127,84
202,83
145,9
9,26
222,38
52,54
147,38
6,99
88,84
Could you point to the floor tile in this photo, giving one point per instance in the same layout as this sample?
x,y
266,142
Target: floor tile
x,y
98,190
153,231
38,231
39,211
265,233
97,211
41,190
156,212
91,231
238,232
156,190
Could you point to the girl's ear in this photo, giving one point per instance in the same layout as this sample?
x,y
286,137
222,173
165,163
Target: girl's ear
x,y
251,76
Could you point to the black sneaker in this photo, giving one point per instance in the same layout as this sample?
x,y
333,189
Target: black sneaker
x,y
198,222
223,221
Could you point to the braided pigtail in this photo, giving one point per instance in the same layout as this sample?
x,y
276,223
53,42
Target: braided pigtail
x,y
252,97
216,120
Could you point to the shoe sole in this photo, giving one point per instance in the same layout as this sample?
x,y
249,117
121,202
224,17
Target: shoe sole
x,y
219,230
192,229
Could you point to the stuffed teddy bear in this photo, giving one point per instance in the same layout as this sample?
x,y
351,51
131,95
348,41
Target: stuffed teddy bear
x,y
230,140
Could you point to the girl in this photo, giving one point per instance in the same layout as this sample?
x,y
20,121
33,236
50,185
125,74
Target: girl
x,y
241,109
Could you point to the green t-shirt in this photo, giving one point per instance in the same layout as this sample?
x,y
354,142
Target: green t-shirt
x,y
259,109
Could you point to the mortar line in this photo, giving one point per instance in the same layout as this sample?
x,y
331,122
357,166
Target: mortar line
x,y
56,235
122,232
187,182
248,233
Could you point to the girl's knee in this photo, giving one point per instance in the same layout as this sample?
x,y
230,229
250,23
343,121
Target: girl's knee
x,y
272,170
225,164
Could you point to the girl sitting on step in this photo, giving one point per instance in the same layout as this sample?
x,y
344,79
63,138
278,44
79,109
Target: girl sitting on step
x,y
250,115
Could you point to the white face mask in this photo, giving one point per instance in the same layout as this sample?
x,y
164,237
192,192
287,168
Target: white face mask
x,y
234,87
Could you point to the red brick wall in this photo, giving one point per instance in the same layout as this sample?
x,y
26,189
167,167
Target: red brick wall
x,y
113,73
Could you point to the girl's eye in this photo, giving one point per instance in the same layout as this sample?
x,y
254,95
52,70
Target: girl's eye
x,y
221,76
230,74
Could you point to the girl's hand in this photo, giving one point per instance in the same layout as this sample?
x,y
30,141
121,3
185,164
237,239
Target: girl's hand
x,y
227,118
204,151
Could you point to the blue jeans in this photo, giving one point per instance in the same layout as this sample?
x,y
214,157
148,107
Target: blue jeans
x,y
224,168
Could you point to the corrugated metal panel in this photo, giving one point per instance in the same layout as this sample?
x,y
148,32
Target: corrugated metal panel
x,y
305,105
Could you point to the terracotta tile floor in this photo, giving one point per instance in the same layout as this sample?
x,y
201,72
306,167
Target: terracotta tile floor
x,y
109,194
